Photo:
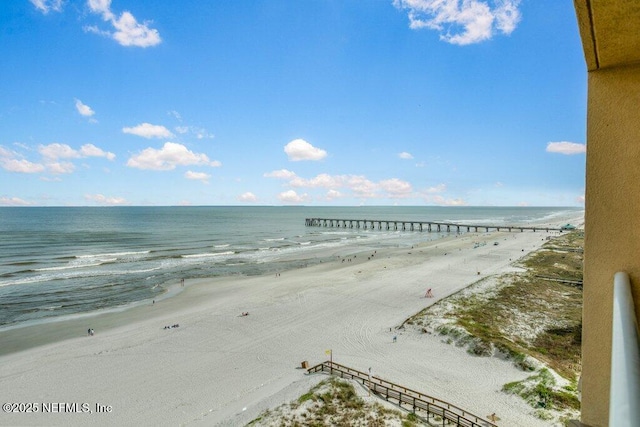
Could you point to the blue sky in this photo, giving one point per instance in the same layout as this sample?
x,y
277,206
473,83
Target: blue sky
x,y
274,102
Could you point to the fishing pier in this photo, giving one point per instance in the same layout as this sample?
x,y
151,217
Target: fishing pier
x,y
429,226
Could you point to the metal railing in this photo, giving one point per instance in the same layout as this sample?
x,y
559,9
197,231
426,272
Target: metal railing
x,y
624,403
437,411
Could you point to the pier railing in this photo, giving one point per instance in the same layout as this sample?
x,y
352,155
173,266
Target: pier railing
x,y
438,412
377,224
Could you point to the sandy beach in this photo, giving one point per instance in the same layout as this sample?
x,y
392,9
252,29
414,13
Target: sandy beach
x,y
221,368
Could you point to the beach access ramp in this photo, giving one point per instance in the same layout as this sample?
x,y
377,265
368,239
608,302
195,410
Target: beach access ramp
x,y
437,412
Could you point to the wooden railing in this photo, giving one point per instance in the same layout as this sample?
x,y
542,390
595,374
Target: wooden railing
x,y
437,411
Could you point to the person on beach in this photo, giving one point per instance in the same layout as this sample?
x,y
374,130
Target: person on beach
x,y
428,294
395,338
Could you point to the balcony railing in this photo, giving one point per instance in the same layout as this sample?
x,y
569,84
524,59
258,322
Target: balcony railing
x,y
624,405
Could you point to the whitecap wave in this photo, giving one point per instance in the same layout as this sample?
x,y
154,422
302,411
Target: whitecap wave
x,y
79,265
208,255
113,254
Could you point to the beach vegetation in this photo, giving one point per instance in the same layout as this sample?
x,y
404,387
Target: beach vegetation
x,y
412,420
536,314
525,317
480,347
542,392
305,397
533,318
335,401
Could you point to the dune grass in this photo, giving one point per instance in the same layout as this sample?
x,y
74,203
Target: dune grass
x,y
525,314
334,401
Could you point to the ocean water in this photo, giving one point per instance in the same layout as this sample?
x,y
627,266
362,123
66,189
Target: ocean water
x,y
61,261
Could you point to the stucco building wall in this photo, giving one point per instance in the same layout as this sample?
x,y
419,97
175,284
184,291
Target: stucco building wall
x,y
612,222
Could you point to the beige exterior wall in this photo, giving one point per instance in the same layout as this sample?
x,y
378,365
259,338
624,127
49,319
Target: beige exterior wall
x,y
612,222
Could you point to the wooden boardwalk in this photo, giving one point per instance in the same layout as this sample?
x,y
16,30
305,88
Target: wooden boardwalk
x,y
378,224
437,412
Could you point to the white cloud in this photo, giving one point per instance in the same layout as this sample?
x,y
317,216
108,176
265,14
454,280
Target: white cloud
x,y
45,6
439,200
101,6
202,133
507,16
175,114
147,130
128,31
10,163
362,187
58,168
58,151
280,174
567,148
396,188
440,188
90,150
168,157
20,166
405,156
13,201
580,199
198,176
182,129
299,149
333,194
293,197
247,197
463,22
359,185
95,30
199,133
19,145
63,151
83,109
104,200
322,180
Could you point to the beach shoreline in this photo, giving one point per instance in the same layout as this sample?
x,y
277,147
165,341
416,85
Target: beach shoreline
x,y
31,334
219,367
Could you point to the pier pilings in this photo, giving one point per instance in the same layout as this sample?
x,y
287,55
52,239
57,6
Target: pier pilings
x,y
429,226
